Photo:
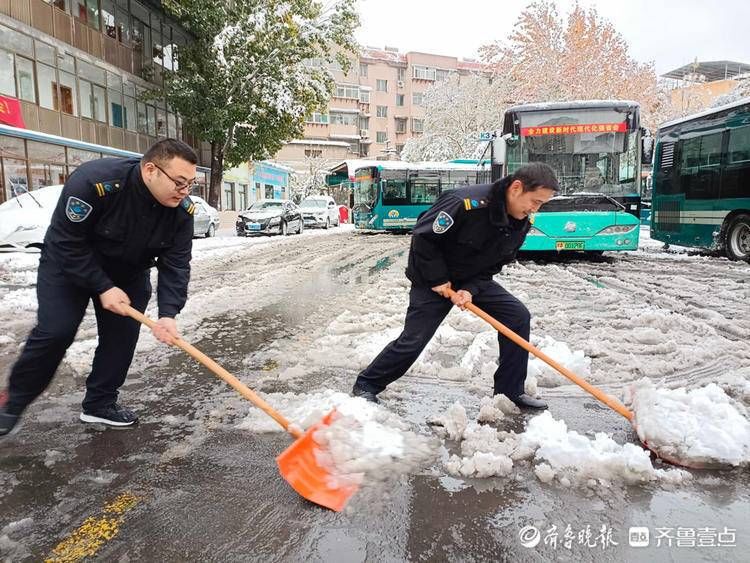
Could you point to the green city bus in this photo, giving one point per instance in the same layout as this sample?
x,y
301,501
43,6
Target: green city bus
x,y
701,181
595,149
390,195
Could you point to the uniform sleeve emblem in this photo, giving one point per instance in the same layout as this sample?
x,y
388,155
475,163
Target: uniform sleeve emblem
x,y
77,210
188,205
442,223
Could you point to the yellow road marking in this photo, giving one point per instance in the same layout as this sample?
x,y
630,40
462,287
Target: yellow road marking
x,y
94,532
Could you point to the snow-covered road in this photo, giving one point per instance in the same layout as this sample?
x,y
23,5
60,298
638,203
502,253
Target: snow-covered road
x,y
296,318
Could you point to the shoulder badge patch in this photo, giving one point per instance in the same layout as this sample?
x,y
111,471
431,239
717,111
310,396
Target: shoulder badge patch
x,y
470,204
77,210
442,223
108,187
188,205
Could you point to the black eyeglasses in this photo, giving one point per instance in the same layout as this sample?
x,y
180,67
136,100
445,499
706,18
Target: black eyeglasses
x,y
179,186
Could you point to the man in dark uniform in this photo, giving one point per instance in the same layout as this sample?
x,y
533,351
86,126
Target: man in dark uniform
x,y
461,242
116,218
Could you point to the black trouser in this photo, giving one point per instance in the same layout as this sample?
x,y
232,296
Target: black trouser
x,y
426,311
61,309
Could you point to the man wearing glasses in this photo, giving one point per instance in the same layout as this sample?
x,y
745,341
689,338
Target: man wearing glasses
x,y
116,218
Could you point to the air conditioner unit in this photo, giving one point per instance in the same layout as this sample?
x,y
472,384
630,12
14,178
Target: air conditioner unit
x,y
364,133
400,83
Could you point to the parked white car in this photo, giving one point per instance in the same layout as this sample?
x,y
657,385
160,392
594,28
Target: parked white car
x,y
319,211
24,219
205,218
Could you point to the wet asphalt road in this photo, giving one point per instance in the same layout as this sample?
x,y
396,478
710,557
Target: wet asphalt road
x,y
187,485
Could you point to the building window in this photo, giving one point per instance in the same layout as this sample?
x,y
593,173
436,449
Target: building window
x,y
401,73
417,125
7,80
364,96
382,111
381,85
399,149
400,100
320,118
343,118
346,91
268,188
381,137
68,93
423,73
25,77
441,74
88,12
129,115
47,86
417,98
99,103
314,153
364,122
116,113
363,70
401,125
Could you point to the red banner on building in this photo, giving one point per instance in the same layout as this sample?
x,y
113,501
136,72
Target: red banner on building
x,y
574,129
10,112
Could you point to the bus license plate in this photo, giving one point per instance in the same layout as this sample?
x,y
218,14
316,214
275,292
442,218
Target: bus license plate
x,y
569,245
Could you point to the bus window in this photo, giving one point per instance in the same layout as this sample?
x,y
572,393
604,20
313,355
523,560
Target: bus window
x,y
700,166
735,178
394,192
424,190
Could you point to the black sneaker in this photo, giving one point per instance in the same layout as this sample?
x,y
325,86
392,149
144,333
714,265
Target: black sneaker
x,y
112,415
358,391
8,423
525,401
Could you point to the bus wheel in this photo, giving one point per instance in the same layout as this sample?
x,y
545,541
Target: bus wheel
x,y
737,241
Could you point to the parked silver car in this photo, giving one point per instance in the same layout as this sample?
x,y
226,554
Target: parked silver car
x,y
320,211
205,218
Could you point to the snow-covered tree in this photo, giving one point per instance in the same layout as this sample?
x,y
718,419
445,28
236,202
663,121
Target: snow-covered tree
x,y
457,110
310,178
552,58
245,84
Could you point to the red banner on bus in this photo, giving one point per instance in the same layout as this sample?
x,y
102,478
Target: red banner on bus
x,y
10,112
574,129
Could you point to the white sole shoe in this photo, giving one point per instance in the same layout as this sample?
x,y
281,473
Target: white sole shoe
x,y
90,418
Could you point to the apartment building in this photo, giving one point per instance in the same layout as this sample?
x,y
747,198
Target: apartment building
x,y
71,73
376,107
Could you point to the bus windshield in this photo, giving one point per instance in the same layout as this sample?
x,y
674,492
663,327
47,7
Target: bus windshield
x,y
365,187
591,151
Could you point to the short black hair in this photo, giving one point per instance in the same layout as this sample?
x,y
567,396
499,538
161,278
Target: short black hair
x,y
536,175
165,150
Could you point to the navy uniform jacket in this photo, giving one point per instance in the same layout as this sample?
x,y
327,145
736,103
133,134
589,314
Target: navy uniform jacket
x,y
465,236
107,229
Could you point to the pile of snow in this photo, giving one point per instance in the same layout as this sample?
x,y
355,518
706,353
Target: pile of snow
x,y
364,441
575,458
546,376
24,219
562,454
701,427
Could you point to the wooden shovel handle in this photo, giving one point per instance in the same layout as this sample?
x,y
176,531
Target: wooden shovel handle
x,y
220,372
608,400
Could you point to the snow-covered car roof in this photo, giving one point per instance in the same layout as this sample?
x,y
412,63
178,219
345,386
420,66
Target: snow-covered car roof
x,y
24,219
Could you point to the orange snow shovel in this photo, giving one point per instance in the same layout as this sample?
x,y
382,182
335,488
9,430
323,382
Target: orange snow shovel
x,y
297,464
